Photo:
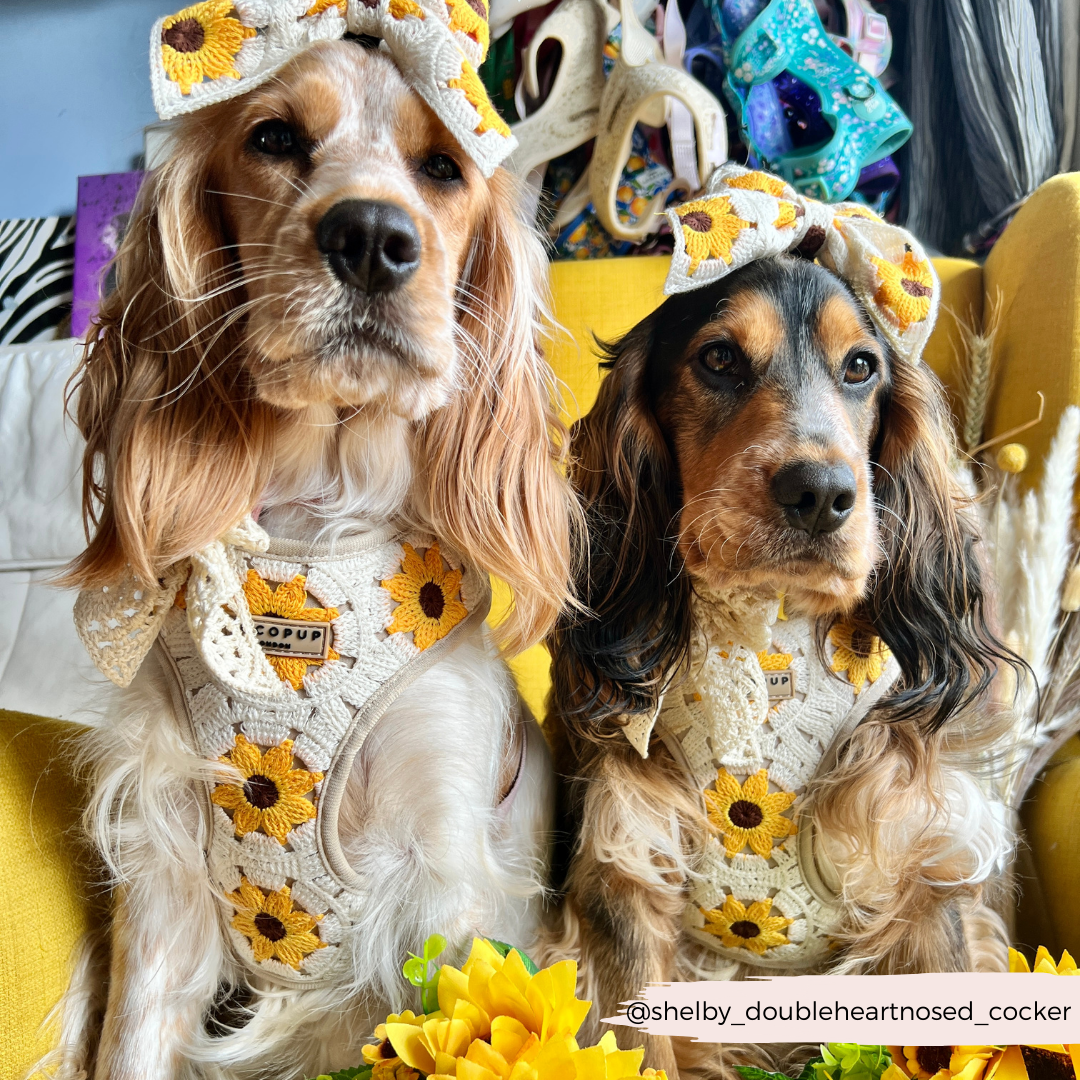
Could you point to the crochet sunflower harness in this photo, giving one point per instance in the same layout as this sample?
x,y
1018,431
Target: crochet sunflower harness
x,y
754,720
282,657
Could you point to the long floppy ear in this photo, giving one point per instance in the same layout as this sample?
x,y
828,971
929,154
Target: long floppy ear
x,y
174,436
614,660
494,487
927,600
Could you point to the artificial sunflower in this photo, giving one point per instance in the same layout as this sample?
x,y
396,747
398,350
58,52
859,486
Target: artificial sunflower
x,y
758,181
749,814
202,42
427,595
470,17
288,601
751,928
270,798
381,1050
273,924
906,288
863,656
468,82
1044,962
946,1062
710,227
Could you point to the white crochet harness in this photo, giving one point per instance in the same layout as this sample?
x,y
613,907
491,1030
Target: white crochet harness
x,y
757,717
282,661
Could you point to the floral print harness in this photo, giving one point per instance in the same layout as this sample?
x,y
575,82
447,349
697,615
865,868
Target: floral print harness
x,y
343,630
755,720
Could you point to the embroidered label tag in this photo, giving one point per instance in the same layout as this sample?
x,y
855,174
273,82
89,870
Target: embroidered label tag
x,y
293,637
781,684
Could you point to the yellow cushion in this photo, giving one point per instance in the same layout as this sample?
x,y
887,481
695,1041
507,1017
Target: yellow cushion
x,y
46,907
606,297
1032,276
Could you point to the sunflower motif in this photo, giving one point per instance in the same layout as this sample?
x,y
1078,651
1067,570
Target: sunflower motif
x,y
202,42
276,928
775,661
468,82
749,814
287,601
945,1062
758,181
751,928
789,215
854,210
324,5
270,799
470,17
906,288
427,596
381,1050
400,8
710,227
858,653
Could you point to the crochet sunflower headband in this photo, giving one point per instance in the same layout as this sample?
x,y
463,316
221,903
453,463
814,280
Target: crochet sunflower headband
x,y
219,49
746,215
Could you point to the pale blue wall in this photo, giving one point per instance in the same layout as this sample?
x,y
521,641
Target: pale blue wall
x,y
74,95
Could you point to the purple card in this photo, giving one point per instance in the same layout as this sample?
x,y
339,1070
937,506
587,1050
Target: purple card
x,y
101,217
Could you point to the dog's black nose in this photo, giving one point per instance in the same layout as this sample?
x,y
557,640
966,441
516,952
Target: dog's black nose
x,y
815,497
372,246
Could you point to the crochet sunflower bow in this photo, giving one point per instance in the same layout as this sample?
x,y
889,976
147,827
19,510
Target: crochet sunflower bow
x,y
745,215
219,49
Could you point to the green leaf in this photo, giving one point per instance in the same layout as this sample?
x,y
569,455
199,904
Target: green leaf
x,y
414,970
433,946
504,950
361,1072
748,1072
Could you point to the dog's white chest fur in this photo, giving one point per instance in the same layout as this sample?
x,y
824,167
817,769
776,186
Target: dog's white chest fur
x,y
756,718
346,630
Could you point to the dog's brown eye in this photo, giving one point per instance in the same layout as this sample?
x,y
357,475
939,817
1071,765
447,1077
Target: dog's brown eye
x,y
276,138
719,358
441,167
859,368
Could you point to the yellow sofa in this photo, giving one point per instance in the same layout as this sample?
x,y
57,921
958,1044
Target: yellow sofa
x,y
1030,279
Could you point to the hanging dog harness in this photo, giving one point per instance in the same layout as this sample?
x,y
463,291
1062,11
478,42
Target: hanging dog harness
x,y
282,657
755,720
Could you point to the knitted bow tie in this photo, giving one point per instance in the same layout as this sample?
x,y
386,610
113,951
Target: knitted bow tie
x,y
746,215
219,49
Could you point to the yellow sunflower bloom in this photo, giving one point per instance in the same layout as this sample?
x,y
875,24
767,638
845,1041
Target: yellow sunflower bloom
x,y
427,596
758,181
751,928
270,799
323,5
273,924
202,42
1044,962
710,227
861,655
789,214
948,1062
749,814
906,288
400,8
775,661
381,1050
288,601
469,83
470,17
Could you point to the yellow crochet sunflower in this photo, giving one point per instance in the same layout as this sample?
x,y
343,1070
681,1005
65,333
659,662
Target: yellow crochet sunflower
x,y
944,1062
468,82
710,227
749,814
273,924
202,42
906,288
774,661
427,596
470,17
270,798
758,181
288,601
859,654
322,5
751,928
400,8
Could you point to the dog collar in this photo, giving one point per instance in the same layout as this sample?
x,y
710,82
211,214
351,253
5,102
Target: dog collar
x,y
745,214
219,49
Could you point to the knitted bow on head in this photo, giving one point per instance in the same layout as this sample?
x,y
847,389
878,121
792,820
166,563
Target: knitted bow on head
x,y
746,215
219,49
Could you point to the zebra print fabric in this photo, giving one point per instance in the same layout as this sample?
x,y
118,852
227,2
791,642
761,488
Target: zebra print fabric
x,y
37,260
